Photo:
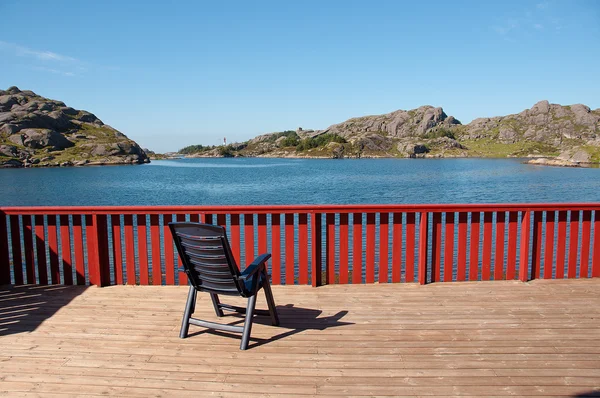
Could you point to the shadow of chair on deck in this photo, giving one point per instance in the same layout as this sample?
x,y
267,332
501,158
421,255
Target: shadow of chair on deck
x,y
294,319
24,308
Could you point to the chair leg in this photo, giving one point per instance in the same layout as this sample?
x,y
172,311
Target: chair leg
x,y
271,302
193,309
215,300
189,310
248,322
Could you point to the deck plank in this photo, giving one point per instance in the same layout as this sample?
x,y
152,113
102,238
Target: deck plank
x,y
540,338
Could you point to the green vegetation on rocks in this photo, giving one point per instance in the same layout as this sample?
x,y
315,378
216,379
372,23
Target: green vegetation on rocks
x,y
291,134
195,149
37,131
439,133
319,141
291,140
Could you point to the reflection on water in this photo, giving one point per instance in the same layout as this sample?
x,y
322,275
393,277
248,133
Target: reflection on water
x,y
198,163
298,181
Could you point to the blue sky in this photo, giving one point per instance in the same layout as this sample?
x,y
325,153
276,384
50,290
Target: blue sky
x,y
175,73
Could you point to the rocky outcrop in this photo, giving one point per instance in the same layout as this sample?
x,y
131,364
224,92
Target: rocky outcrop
x,y
37,131
401,133
41,138
568,135
552,124
545,129
412,150
552,162
575,157
399,124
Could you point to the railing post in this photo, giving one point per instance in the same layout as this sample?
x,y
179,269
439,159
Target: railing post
x,y
4,258
316,241
289,248
156,249
330,248
41,268
423,232
97,243
524,244
536,252
596,253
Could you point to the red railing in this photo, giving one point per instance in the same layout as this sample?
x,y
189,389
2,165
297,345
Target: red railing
x,y
310,244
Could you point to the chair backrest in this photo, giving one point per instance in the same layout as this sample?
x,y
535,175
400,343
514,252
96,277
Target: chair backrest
x,y
207,257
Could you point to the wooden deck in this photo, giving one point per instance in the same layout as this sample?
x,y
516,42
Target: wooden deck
x,y
482,338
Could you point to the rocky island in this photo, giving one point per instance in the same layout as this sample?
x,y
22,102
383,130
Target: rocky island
x,y
37,132
548,133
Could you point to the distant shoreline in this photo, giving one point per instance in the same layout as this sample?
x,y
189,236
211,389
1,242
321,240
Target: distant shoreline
x,y
533,160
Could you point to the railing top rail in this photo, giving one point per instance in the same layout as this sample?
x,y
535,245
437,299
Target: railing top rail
x,y
263,209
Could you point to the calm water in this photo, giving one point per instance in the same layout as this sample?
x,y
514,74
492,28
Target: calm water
x,y
300,181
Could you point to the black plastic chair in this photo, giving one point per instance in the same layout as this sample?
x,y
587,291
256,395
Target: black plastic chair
x,y
211,267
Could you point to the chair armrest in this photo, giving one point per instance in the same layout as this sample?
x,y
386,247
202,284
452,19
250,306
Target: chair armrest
x,y
257,265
